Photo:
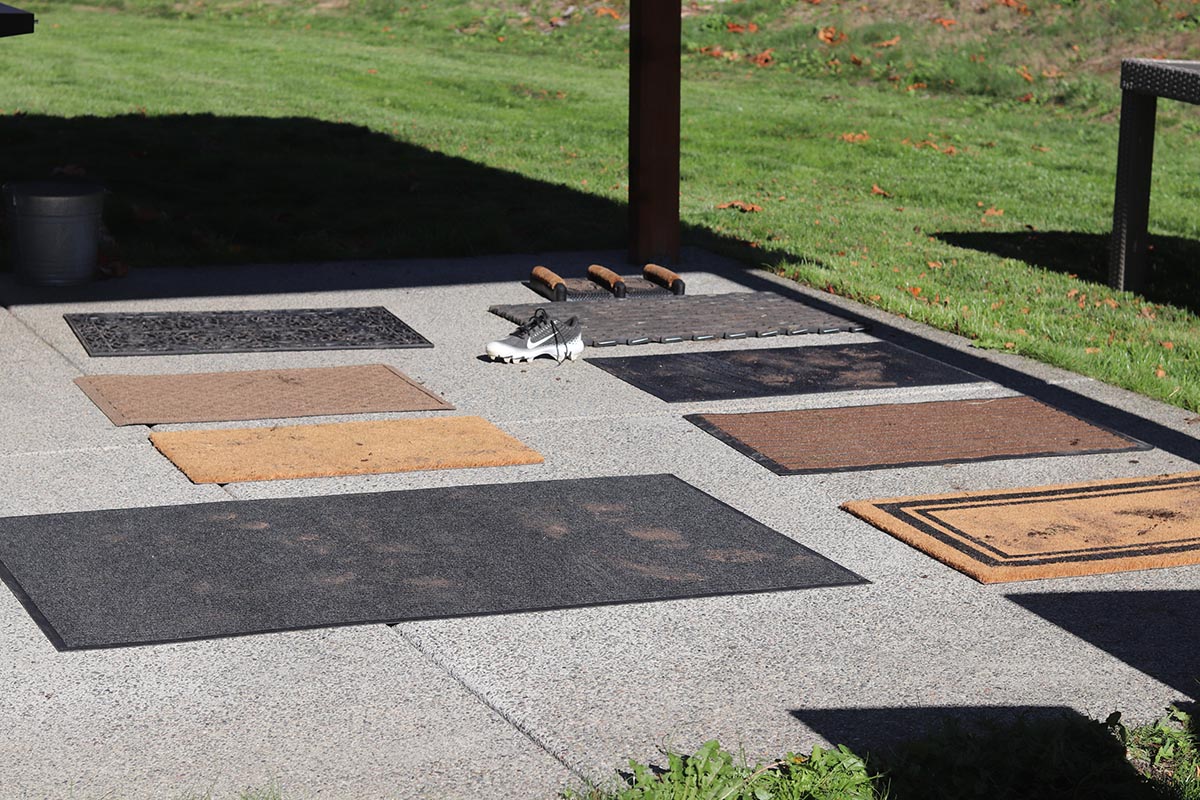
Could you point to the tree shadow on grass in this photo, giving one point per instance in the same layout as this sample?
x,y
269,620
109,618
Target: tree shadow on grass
x,y
1173,270
986,753
203,189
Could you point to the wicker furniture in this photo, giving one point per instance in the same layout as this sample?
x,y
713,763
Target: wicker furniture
x,y
15,21
1143,81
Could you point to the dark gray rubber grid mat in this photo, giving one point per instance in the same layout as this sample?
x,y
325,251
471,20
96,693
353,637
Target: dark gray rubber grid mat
x,y
585,289
769,372
139,576
671,318
159,333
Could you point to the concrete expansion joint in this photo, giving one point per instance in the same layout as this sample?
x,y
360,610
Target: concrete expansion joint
x,y
33,332
538,741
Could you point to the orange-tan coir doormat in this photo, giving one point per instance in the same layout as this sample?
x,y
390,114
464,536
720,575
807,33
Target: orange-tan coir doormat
x,y
256,394
231,455
1050,531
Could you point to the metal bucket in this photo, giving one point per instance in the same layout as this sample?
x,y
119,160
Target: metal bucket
x,y
54,230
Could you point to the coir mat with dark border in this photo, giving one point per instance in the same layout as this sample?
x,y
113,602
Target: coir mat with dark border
x,y
908,434
1050,531
145,575
768,372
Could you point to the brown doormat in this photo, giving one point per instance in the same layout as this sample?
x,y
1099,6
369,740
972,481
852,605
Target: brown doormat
x,y
344,448
909,434
256,394
1050,531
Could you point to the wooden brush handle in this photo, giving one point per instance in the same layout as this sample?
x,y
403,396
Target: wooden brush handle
x,y
607,278
555,286
663,277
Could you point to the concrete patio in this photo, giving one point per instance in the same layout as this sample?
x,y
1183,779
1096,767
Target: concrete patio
x,y
522,705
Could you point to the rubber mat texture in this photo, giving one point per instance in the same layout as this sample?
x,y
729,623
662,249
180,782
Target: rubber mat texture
x,y
139,576
195,332
256,394
1050,531
233,455
769,372
672,318
908,434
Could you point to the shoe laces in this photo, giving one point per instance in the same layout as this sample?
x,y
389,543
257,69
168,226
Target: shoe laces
x,y
540,319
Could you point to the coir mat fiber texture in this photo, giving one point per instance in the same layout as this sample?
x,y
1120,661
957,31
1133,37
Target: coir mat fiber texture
x,y
158,333
1050,531
671,318
137,576
767,372
256,394
908,434
341,448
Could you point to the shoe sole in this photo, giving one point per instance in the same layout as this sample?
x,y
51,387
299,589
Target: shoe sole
x,y
573,354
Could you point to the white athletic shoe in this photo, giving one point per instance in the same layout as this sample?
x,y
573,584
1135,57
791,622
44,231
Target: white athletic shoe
x,y
540,335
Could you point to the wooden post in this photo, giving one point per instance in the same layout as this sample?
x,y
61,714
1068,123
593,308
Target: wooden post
x,y
654,69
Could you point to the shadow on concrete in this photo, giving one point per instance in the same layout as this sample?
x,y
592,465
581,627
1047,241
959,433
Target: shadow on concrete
x,y
988,753
1150,631
1173,274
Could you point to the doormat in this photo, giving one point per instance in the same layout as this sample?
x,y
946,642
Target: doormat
x,y
161,333
145,575
1050,531
679,318
739,374
908,435
232,455
256,394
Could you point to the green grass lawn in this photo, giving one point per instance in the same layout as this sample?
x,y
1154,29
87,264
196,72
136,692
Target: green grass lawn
x,y
912,176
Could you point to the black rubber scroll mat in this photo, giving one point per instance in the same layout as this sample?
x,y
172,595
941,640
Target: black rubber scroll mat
x,y
139,576
768,372
671,318
159,333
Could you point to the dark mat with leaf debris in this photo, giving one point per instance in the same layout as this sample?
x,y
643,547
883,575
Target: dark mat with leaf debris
x,y
144,575
774,371
158,333
672,318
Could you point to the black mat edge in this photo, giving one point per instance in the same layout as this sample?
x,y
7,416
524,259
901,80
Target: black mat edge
x,y
60,644
32,609
720,434
70,318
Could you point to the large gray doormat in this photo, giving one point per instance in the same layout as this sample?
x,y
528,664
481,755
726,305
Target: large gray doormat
x,y
769,372
672,318
159,333
139,576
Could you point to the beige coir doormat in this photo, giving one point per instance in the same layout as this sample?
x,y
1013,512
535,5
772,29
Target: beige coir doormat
x,y
1050,531
256,394
231,455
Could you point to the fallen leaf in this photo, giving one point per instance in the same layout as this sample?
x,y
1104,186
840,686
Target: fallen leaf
x,y
832,36
944,22
1024,73
1091,350
735,27
892,42
1026,98
741,206
763,59
1159,372
854,138
876,190
605,11
992,211
1168,345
